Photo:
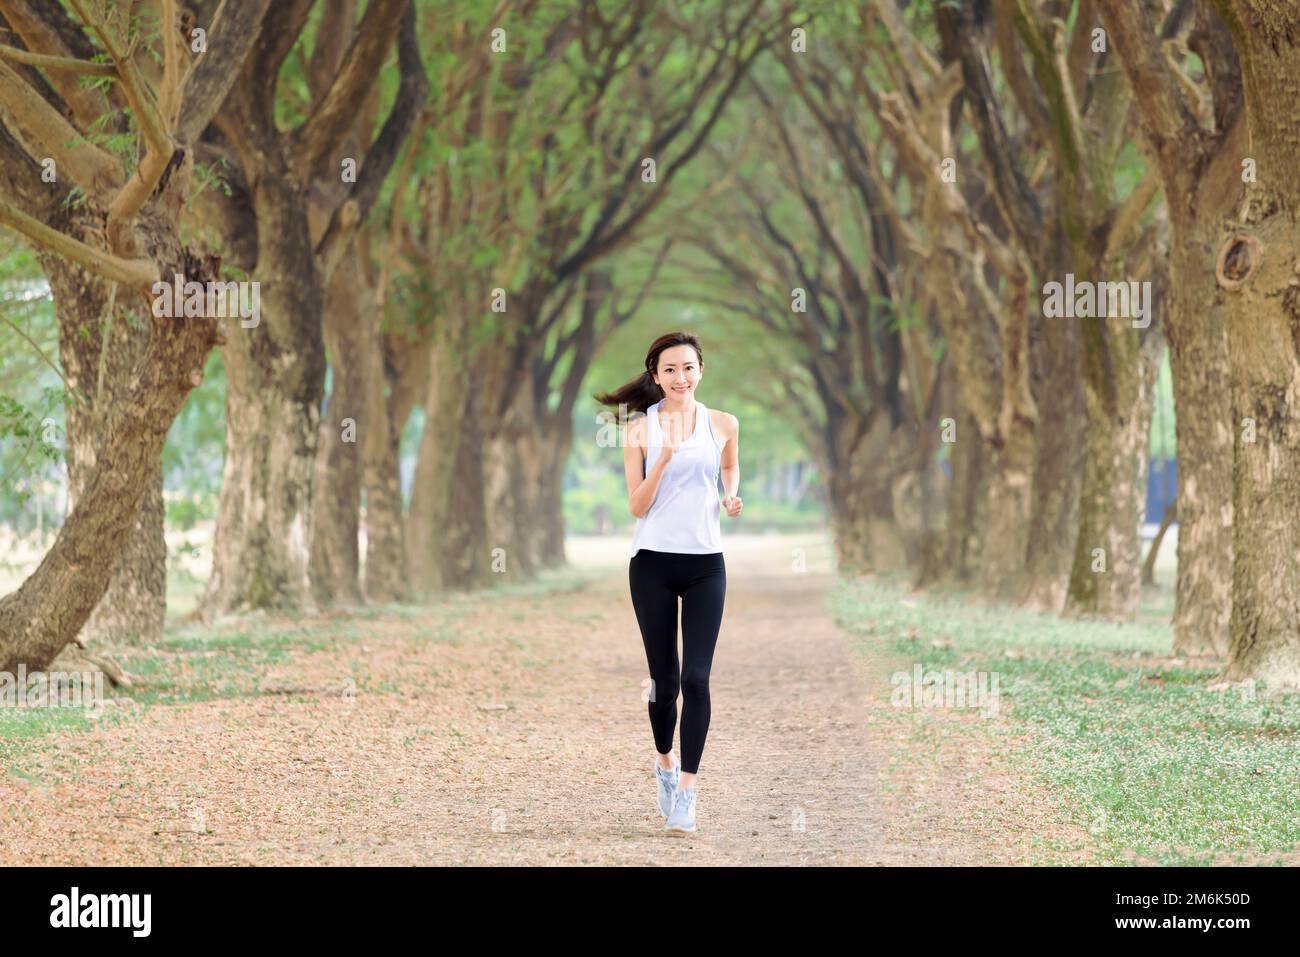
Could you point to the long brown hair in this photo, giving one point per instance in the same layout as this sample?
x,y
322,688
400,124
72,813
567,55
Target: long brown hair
x,y
642,392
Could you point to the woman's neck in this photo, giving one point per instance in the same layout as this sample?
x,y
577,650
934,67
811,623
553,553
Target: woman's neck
x,y
673,404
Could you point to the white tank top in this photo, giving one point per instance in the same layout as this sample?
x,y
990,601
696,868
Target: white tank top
x,y
686,513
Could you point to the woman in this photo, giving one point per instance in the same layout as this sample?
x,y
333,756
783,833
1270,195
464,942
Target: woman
x,y
673,458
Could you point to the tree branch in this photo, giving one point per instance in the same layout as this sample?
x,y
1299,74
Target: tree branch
x,y
139,274
337,110
53,63
1170,125
48,30
41,126
229,41
412,91
134,86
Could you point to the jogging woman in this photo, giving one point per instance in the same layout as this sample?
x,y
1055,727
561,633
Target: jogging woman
x,y
673,458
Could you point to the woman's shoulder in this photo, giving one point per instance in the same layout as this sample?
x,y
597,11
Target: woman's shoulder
x,y
724,423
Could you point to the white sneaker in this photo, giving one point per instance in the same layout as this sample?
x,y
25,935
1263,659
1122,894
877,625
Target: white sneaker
x,y
681,820
667,784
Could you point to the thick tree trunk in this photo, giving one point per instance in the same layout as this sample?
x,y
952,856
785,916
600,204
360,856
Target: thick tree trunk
x,y
1106,579
48,611
1257,270
858,496
1058,395
1198,359
466,550
549,520
512,470
1201,172
336,502
134,607
446,403
967,508
1264,342
387,578
275,377
1010,479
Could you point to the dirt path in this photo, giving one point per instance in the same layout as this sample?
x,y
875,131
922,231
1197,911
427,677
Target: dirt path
x,y
512,731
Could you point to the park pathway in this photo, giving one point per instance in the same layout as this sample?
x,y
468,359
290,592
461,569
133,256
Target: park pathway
x,y
510,730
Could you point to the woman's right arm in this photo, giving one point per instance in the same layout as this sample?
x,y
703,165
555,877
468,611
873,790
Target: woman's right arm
x,y
641,490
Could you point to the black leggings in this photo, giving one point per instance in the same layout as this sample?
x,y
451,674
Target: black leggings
x,y
657,580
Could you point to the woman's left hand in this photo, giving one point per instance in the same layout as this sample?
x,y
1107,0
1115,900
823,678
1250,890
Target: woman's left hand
x,y
733,505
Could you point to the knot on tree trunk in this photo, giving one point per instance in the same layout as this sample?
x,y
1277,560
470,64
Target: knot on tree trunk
x,y
1239,259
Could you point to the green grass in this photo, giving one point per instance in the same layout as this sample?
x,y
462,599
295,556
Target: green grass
x,y
193,665
1158,768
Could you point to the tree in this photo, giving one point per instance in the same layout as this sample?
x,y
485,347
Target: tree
x,y
276,375
1197,153
48,125
1256,269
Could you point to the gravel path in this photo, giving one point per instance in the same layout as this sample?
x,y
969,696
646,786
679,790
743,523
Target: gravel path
x,y
512,731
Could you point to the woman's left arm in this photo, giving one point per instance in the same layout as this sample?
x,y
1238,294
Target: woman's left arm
x,y
730,469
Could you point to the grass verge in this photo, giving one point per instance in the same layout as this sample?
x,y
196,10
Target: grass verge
x,y
1159,768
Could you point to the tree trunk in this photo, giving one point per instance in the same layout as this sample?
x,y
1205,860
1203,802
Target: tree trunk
x,y
1009,486
1058,394
336,521
387,577
465,551
134,607
967,507
511,482
858,492
1201,174
1264,343
550,528
1257,270
275,378
1198,361
446,403
48,611
1106,579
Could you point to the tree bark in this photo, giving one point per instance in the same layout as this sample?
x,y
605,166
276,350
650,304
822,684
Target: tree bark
x,y
1053,514
1200,169
1106,578
446,403
465,548
387,576
47,612
336,500
1257,270
275,375
858,494
134,607
1198,361
967,503
550,528
1264,345
511,483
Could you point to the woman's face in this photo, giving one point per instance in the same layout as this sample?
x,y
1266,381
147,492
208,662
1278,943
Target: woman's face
x,y
679,372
